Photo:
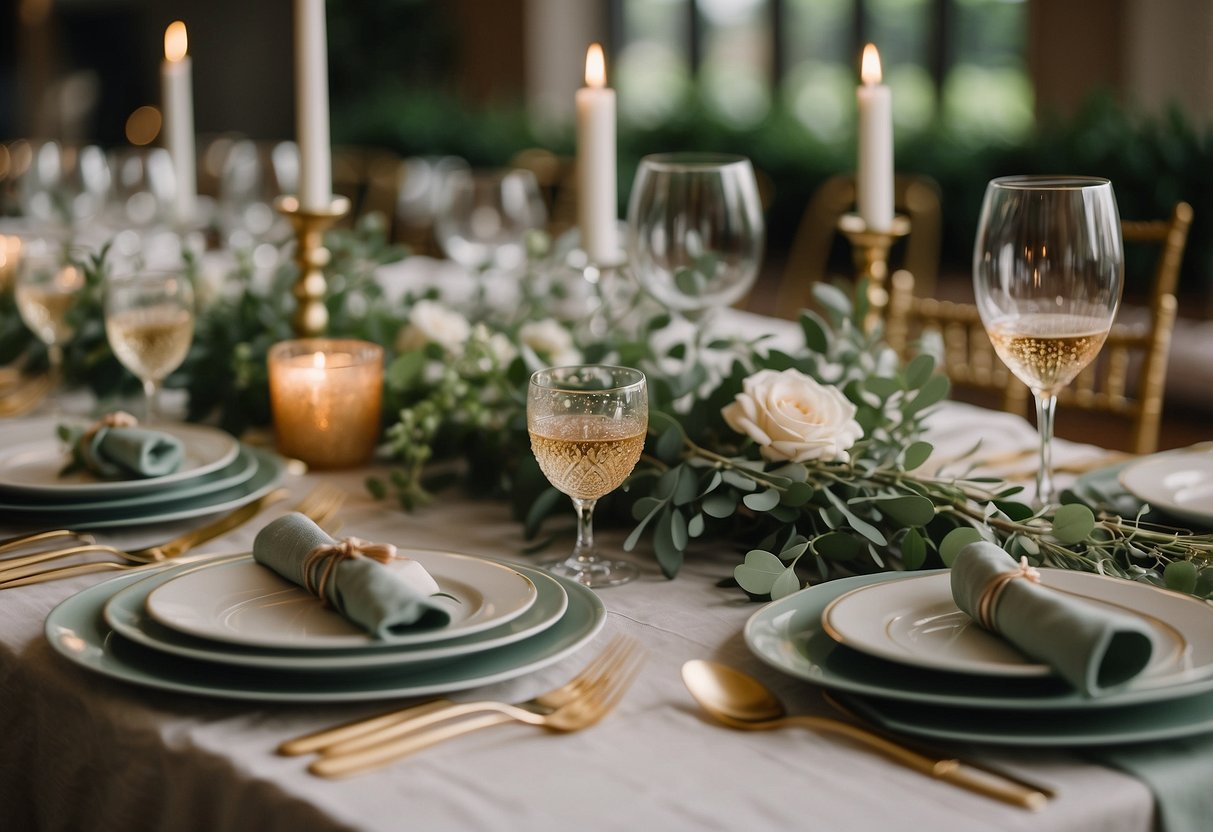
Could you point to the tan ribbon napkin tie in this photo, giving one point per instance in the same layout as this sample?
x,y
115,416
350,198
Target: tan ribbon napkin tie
x,y
331,554
988,600
117,419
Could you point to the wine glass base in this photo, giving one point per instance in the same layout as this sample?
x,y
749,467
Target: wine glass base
x,y
594,574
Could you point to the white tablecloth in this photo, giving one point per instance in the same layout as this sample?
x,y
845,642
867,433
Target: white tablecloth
x,y
83,752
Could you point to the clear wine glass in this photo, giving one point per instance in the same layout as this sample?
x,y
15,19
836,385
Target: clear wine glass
x,y
48,285
1048,267
587,426
483,218
695,230
149,322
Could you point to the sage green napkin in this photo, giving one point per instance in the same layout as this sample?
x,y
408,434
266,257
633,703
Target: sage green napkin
x,y
1176,771
1093,647
369,594
125,453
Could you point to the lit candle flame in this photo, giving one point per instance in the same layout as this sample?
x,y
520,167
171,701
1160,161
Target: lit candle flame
x,y
175,42
869,71
595,67
318,360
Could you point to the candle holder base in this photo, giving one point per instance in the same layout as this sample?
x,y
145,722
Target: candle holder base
x,y
311,316
871,253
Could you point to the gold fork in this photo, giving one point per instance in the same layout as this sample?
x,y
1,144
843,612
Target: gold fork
x,y
598,697
321,505
403,720
22,397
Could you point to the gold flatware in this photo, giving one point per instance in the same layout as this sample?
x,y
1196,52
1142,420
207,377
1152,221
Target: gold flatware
x,y
321,505
323,740
21,397
740,701
996,771
23,540
598,697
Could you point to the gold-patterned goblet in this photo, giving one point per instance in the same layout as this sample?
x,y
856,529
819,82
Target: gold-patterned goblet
x,y
587,426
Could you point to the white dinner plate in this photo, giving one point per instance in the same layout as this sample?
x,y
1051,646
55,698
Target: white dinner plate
x,y
126,612
788,635
77,630
243,602
916,622
1177,482
32,455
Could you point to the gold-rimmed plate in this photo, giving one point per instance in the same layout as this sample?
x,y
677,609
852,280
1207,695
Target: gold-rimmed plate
x,y
916,622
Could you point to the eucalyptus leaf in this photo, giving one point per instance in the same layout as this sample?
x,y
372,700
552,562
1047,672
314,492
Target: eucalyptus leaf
x,y
932,392
1181,576
956,540
669,553
1073,523
759,572
915,455
786,584
762,501
719,504
837,546
913,550
919,370
908,510
695,526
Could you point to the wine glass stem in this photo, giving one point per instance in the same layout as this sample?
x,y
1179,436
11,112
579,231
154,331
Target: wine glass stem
x,y
150,392
1046,406
54,357
583,550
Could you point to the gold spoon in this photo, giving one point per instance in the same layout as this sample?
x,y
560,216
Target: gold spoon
x,y
740,701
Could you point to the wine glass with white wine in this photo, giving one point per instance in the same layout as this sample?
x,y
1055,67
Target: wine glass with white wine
x,y
1048,267
48,285
149,321
587,426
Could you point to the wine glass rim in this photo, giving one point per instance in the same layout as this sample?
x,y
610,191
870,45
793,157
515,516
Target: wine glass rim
x,y
680,161
537,379
1049,182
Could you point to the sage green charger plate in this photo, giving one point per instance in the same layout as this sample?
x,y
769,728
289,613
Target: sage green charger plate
x,y
788,635
152,508
77,630
126,612
1184,717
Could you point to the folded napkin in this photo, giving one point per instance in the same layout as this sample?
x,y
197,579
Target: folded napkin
x,y
1093,647
383,600
116,448
1176,771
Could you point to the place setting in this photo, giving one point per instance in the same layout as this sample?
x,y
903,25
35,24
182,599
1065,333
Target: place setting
x,y
134,474
276,624
1080,660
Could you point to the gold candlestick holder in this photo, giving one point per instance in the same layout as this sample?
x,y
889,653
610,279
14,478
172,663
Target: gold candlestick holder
x,y
311,316
870,249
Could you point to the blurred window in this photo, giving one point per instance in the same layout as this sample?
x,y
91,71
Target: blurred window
x,y
959,62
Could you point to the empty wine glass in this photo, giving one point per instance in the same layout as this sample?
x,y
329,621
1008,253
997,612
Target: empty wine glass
x,y
1048,266
483,218
149,322
48,286
695,230
587,425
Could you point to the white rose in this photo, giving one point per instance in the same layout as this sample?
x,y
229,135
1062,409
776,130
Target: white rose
x,y
501,349
431,321
793,417
550,340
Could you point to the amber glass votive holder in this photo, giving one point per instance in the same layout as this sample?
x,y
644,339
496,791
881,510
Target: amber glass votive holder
x,y
325,394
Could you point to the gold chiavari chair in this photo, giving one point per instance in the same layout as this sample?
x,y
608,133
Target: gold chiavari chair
x,y
913,195
1126,380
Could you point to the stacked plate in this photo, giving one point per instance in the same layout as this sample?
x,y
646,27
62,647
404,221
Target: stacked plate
x,y
232,628
909,660
217,474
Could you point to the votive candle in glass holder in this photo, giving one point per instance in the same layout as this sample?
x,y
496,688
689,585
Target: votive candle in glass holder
x,y
325,395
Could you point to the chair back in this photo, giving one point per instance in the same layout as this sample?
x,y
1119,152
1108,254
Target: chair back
x,y
808,260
